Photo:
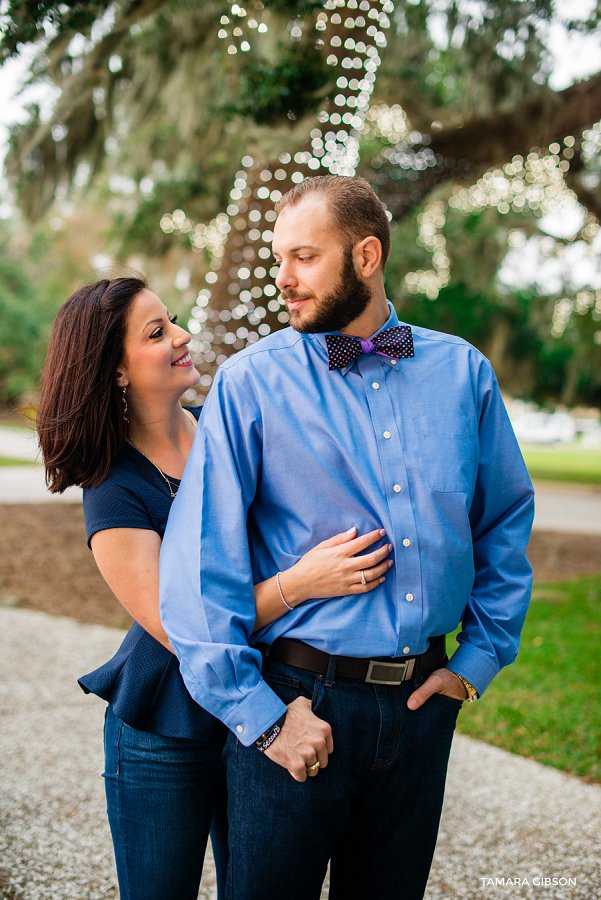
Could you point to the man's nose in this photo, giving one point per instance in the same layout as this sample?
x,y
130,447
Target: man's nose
x,y
285,277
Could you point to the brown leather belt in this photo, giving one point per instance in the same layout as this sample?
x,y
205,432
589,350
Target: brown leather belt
x,y
382,670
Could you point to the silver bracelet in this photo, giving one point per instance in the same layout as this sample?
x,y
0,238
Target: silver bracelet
x,y
277,581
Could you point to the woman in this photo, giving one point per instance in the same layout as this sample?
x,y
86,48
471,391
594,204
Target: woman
x,y
110,420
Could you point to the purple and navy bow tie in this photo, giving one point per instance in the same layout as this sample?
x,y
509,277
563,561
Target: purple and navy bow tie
x,y
396,343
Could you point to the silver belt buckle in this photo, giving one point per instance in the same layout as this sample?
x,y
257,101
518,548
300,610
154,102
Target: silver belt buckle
x,y
389,673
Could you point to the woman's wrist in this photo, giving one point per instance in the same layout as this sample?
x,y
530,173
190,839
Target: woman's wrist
x,y
291,584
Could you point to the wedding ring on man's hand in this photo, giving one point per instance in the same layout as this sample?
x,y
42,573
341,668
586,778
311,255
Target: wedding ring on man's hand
x,y
314,767
363,581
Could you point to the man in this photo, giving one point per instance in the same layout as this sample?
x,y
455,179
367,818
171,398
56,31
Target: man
x,y
345,419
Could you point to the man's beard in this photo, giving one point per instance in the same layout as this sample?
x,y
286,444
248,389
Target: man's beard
x,y
348,300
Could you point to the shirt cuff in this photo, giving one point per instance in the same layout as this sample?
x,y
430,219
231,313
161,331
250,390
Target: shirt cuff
x,y
254,715
475,666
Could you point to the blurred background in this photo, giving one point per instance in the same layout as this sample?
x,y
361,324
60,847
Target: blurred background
x,y
155,136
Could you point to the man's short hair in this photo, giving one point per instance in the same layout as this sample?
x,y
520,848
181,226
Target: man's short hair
x,y
355,207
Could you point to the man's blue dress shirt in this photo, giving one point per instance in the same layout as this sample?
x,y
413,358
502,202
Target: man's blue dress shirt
x,y
289,453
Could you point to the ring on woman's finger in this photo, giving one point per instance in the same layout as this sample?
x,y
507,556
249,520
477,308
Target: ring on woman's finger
x,y
314,767
363,581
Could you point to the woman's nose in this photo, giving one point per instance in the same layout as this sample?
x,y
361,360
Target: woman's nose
x,y
182,337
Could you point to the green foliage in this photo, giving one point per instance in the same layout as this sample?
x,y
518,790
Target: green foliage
x,y
155,98
138,233
7,461
28,20
511,328
289,88
547,704
20,329
294,7
494,58
576,464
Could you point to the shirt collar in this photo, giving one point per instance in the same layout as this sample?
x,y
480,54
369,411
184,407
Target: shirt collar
x,y
390,322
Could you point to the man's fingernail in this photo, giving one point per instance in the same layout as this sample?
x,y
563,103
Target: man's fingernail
x,y
382,532
411,703
350,531
382,579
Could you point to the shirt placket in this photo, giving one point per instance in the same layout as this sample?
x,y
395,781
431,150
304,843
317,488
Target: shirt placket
x,y
407,569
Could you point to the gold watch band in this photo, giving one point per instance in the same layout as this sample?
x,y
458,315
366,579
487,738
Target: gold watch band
x,y
472,693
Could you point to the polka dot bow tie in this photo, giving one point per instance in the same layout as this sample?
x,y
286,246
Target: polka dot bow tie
x,y
396,343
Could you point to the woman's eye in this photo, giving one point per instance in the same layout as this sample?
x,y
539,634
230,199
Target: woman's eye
x,y
161,331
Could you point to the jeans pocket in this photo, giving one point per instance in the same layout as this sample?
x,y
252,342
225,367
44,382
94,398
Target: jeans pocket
x,y
287,688
451,702
113,730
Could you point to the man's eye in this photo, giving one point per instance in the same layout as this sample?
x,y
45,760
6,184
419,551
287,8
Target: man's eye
x,y
305,258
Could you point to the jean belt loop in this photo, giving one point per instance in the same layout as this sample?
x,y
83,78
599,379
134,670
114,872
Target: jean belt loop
x,y
331,672
417,672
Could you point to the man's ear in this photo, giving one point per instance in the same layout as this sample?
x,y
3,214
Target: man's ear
x,y
368,256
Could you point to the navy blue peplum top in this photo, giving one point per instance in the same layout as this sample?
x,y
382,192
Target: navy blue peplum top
x,y
142,681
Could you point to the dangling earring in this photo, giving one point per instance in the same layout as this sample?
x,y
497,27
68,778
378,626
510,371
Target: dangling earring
x,y
124,410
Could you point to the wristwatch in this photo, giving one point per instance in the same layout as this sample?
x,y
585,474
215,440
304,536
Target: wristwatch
x,y
472,693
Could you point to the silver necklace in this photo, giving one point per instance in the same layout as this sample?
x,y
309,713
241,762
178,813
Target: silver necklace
x,y
170,484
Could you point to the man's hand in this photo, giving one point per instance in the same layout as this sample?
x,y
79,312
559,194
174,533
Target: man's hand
x,y
442,681
303,741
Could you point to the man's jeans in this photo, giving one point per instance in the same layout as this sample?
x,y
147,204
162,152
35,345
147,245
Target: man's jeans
x,y
374,810
163,794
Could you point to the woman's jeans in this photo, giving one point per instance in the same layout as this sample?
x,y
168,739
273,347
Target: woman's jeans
x,y
374,811
163,795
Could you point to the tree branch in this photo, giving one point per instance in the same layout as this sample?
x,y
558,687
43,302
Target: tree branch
x,y
466,151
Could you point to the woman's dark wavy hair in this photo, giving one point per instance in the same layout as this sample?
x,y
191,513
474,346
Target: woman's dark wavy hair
x,y
80,420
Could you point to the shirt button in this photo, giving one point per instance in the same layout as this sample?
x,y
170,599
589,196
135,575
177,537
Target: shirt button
x,y
406,649
387,435
375,385
409,597
397,488
239,728
406,542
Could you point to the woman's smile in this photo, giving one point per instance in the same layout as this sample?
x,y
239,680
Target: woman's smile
x,y
184,360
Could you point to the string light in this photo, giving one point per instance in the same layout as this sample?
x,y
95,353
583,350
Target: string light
x,y
535,183
351,35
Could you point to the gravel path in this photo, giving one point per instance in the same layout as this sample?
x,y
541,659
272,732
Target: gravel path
x,y
19,443
505,817
568,507
27,484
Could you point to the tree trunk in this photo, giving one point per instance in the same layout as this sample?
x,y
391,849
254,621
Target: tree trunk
x,y
244,304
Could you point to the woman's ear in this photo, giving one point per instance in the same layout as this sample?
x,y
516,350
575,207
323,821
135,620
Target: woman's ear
x,y
121,378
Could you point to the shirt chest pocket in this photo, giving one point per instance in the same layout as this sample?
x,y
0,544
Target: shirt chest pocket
x,y
448,451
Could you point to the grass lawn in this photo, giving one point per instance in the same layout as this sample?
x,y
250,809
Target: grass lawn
x,y
7,461
564,463
547,705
